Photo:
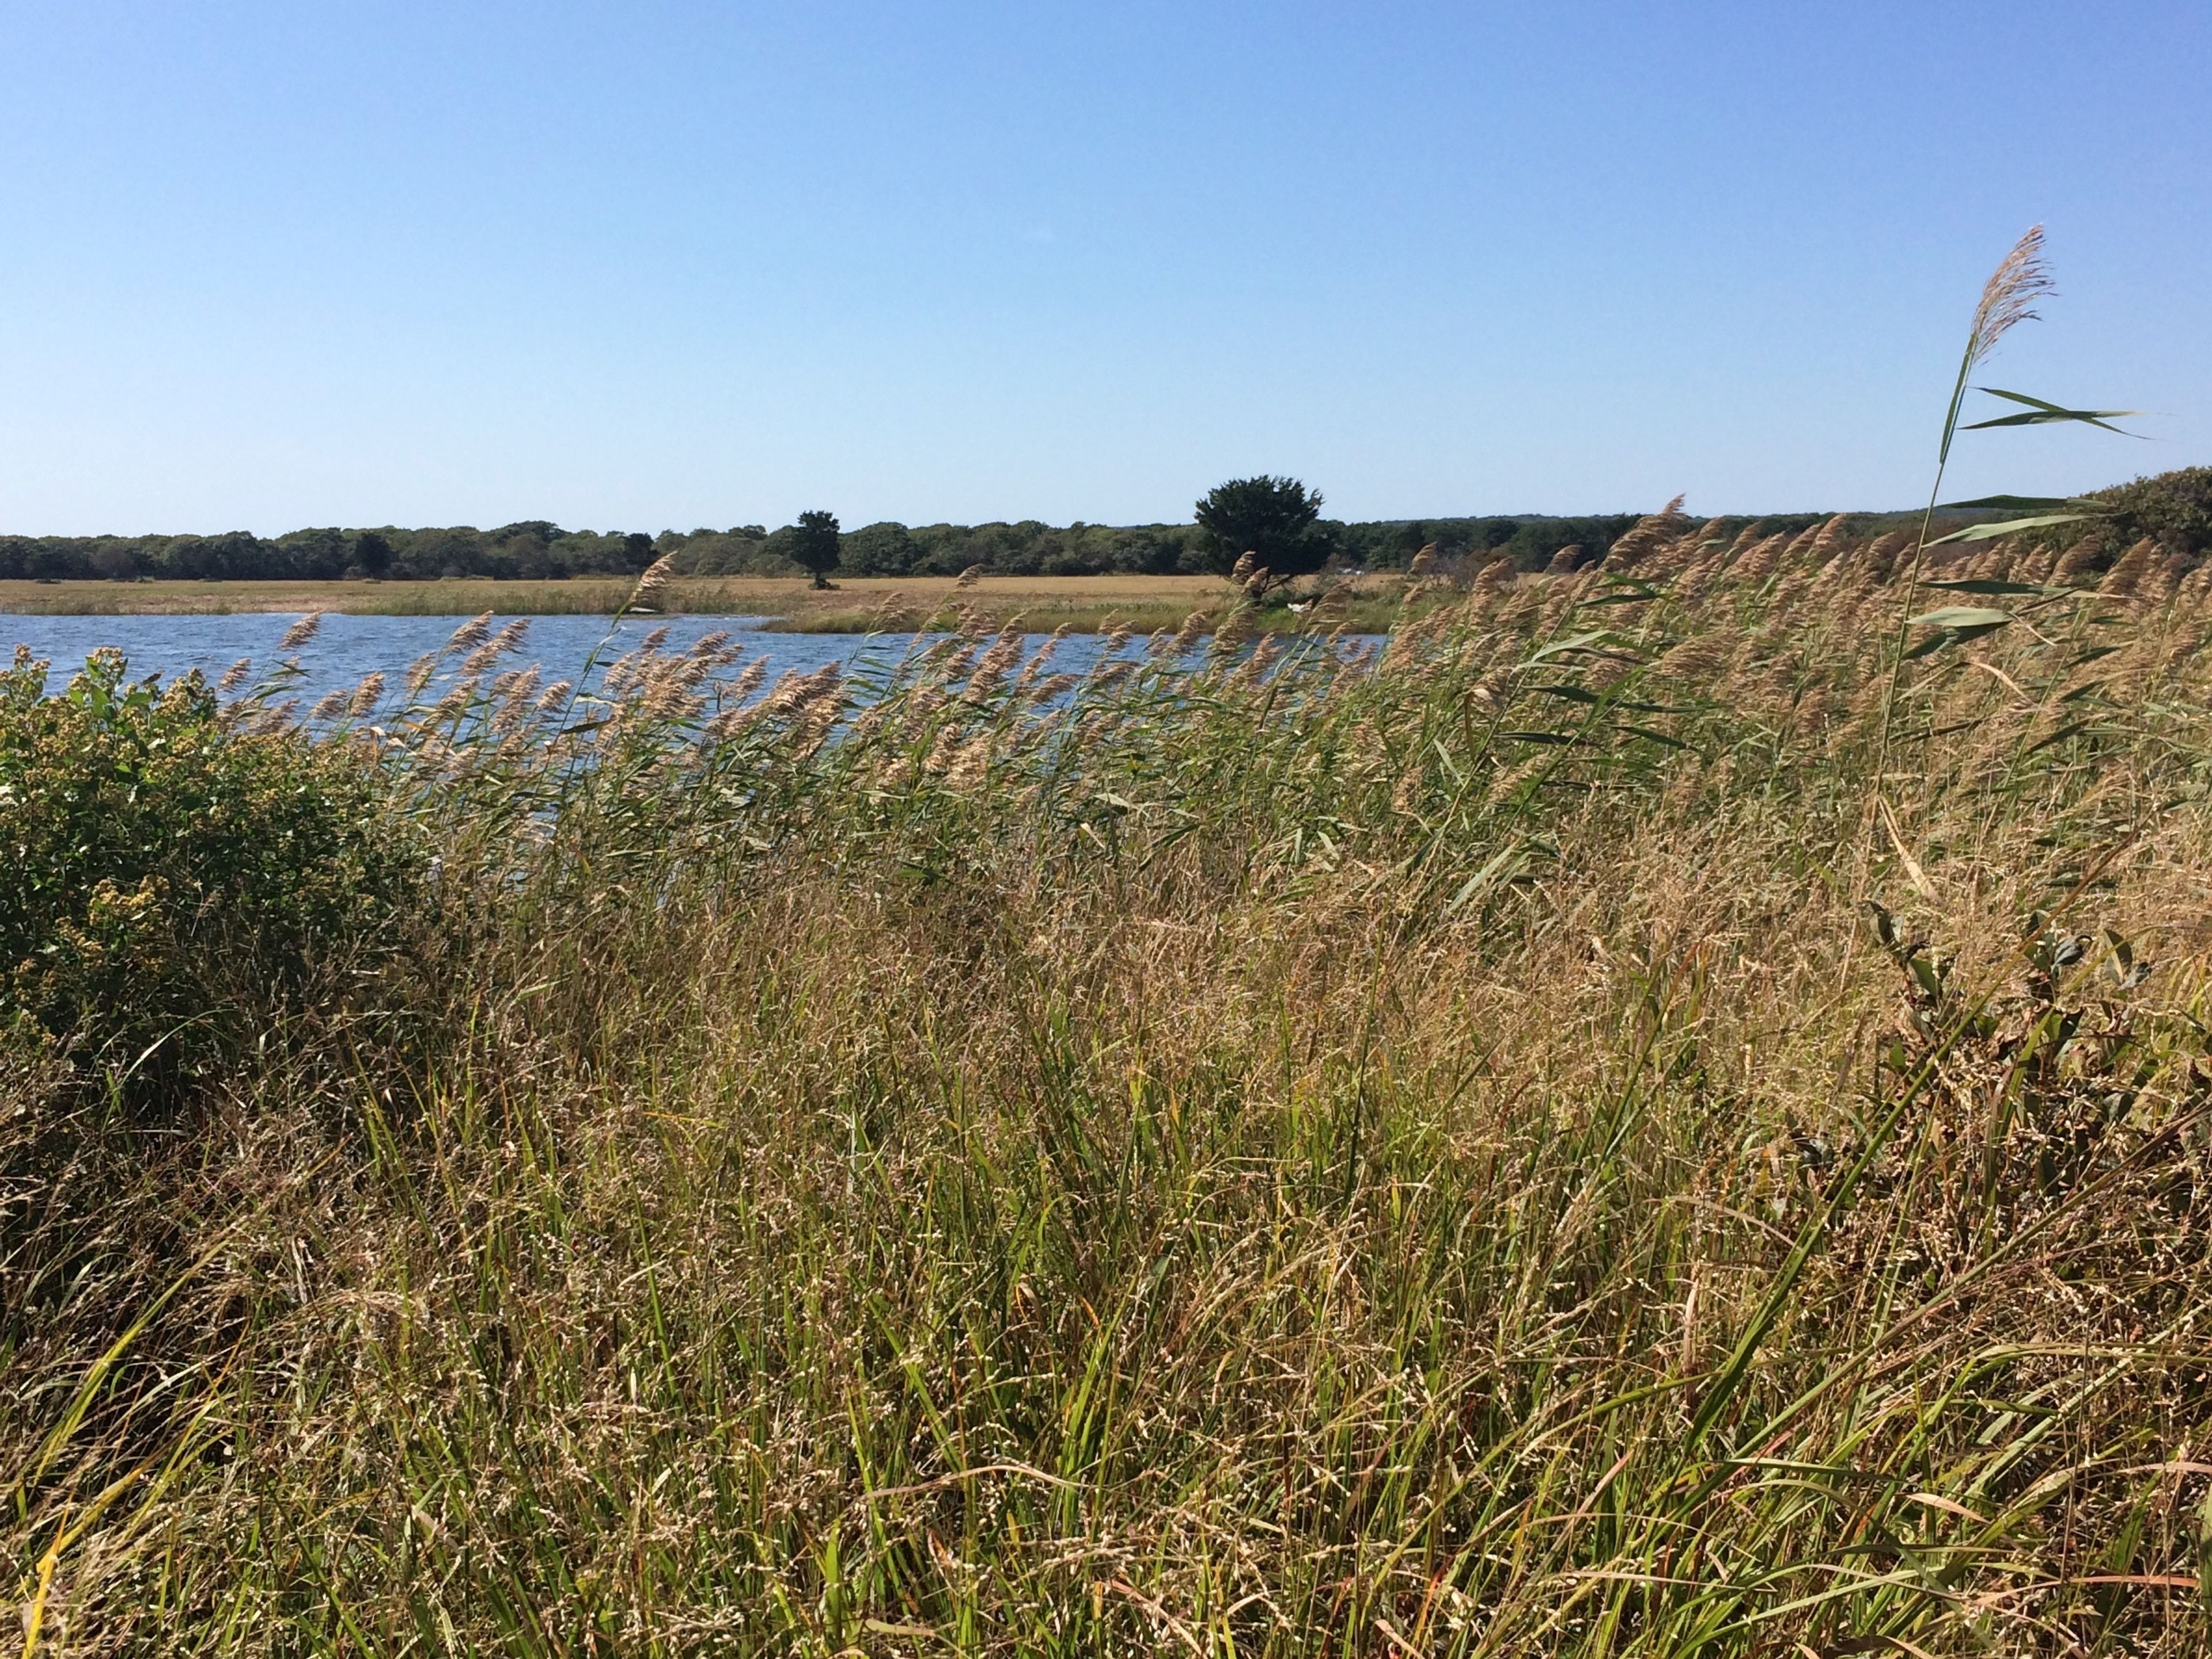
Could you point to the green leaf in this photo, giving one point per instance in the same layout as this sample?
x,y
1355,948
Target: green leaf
x,y
1480,879
1980,617
2039,413
2019,503
1582,693
1985,533
2062,734
1989,586
1576,642
1649,735
1955,623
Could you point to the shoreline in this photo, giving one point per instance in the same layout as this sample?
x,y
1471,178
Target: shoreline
x,y
1081,604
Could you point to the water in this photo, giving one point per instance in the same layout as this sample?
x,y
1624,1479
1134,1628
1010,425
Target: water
x,y
349,648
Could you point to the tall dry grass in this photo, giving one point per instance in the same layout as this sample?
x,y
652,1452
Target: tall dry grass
x,y
1266,1149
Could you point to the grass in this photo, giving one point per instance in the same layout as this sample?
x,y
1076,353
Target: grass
x,y
856,604
1272,1150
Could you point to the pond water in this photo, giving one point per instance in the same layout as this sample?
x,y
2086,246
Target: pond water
x,y
348,648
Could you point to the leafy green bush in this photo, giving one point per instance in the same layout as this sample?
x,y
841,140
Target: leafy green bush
x,y
171,873
2173,509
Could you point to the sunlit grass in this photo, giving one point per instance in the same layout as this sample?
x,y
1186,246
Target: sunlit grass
x,y
1262,1151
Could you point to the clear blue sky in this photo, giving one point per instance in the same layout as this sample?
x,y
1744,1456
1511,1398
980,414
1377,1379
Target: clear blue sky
x,y
649,265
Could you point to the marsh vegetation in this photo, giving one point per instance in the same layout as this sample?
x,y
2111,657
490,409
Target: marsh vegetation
x,y
1524,1143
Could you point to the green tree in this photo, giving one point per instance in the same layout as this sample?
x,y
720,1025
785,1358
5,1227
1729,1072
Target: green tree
x,y
878,550
1276,520
814,545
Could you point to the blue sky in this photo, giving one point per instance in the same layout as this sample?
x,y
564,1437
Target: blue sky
x,y
655,265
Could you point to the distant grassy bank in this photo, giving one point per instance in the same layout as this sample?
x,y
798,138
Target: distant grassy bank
x,y
855,605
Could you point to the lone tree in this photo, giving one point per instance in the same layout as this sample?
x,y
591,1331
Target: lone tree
x,y
1276,520
814,545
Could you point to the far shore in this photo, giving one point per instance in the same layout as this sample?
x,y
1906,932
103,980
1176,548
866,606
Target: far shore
x,y
854,605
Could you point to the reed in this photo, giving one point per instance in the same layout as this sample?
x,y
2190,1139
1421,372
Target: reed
x,y
1317,1155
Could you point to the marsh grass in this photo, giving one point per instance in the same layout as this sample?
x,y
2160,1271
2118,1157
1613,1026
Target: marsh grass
x,y
1273,1149
855,603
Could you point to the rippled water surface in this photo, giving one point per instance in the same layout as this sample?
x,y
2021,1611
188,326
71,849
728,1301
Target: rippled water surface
x,y
348,648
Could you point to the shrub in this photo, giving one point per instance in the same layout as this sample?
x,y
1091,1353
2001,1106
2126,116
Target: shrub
x,y
2173,509
174,874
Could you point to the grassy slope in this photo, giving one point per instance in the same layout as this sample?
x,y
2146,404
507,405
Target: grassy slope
x,y
1425,1159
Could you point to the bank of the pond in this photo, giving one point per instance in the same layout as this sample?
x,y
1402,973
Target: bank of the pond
x,y
855,604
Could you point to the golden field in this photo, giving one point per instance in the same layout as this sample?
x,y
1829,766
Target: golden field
x,y
1087,604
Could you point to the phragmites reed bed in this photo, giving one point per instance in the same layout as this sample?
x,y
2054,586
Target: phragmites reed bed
x,y
1277,1150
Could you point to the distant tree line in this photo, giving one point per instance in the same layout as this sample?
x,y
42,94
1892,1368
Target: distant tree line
x,y
532,549
1031,548
2174,509
541,550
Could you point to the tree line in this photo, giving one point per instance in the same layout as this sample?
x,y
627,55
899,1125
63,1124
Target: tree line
x,y
1275,518
539,550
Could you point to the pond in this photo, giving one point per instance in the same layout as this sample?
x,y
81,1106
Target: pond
x,y
347,648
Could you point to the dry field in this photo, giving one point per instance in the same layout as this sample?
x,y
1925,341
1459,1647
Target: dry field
x,y
856,603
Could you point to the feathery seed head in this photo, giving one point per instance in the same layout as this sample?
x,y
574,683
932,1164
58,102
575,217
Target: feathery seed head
x,y
2021,279
654,583
2076,562
2128,571
749,682
1649,532
470,633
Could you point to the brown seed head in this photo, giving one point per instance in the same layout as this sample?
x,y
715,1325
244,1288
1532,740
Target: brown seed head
x,y
2009,296
654,583
470,633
